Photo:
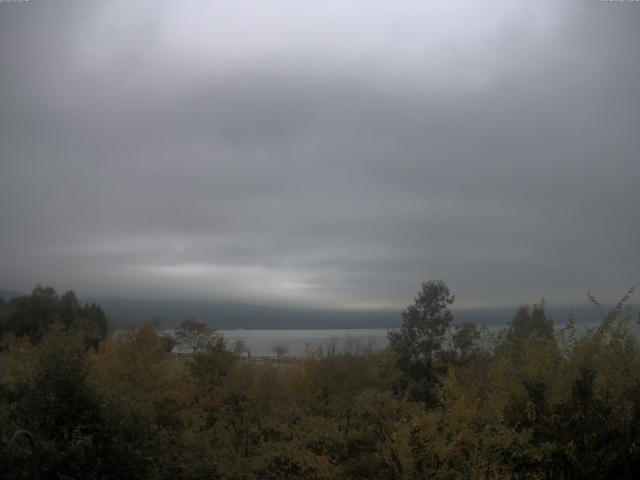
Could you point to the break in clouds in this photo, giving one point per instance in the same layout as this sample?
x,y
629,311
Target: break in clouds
x,y
330,154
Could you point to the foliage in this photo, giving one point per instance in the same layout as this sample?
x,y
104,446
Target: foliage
x,y
33,315
466,341
418,344
527,322
193,336
279,350
532,403
211,364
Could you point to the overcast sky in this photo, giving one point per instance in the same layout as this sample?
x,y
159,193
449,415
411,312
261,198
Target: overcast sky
x,y
326,153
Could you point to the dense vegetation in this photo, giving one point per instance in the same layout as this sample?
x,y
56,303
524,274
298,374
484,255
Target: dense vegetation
x,y
443,401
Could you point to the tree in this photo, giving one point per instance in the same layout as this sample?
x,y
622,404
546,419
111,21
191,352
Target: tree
x,y
240,347
61,408
90,319
528,321
465,340
194,336
279,350
143,394
4,318
33,315
418,343
212,363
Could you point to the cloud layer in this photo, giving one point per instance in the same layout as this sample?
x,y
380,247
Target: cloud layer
x,y
328,154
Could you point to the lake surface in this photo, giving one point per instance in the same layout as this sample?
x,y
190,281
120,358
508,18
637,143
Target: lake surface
x,y
261,343
299,342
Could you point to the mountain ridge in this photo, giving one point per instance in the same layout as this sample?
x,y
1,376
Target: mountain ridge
x,y
129,312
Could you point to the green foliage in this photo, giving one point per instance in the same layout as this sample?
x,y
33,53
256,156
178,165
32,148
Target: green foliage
x,y
58,404
527,322
437,404
194,336
33,316
418,344
466,341
212,363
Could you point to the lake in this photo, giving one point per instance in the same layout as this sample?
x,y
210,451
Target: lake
x,y
298,342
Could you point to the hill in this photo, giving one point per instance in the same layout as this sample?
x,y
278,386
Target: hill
x,y
7,295
226,315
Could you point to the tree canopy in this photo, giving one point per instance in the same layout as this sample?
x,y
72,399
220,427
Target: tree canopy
x,y
419,342
443,401
33,315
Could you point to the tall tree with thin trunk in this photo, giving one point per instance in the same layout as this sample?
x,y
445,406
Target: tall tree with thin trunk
x,y
418,343
194,336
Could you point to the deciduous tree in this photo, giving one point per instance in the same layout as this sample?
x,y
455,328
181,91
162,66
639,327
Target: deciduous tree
x,y
418,344
194,336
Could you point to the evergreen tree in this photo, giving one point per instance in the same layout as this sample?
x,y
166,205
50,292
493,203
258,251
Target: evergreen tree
x,y
418,344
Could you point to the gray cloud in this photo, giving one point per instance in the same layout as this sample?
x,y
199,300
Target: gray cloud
x,y
326,154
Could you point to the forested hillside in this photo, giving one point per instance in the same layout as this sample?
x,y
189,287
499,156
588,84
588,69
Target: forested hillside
x,y
442,401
